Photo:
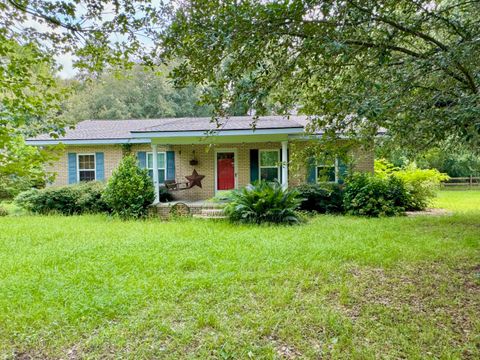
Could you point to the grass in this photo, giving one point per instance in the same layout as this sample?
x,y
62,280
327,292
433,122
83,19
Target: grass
x,y
458,200
337,287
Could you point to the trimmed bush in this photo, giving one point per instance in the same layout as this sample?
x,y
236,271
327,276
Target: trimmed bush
x,y
66,200
321,198
369,195
90,198
130,190
263,202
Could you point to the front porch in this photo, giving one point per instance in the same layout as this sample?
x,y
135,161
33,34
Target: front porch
x,y
227,155
223,166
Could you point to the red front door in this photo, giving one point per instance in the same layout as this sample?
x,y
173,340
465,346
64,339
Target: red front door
x,y
225,171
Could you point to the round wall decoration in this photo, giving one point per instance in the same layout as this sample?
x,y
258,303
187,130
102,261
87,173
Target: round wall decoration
x,y
180,209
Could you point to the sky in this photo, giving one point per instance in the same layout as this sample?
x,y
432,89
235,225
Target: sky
x,y
66,61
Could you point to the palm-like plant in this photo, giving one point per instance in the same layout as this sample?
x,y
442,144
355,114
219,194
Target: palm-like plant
x,y
263,202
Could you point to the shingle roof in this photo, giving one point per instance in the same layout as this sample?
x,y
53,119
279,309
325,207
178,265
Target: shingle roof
x,y
223,124
102,129
122,129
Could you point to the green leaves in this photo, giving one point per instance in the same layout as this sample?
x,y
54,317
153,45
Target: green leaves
x,y
263,202
355,66
130,190
30,102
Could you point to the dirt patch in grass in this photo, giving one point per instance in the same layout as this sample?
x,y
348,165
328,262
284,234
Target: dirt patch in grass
x,y
429,212
282,349
430,295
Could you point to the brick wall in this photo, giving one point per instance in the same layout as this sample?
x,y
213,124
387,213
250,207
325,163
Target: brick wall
x,y
112,157
205,155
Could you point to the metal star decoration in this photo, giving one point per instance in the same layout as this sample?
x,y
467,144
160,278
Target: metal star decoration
x,y
194,179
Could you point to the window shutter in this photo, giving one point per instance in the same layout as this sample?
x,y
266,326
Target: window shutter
x,y
311,169
342,171
99,166
170,169
72,168
253,165
142,159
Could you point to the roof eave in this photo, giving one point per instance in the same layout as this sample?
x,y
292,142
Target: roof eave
x,y
203,133
87,141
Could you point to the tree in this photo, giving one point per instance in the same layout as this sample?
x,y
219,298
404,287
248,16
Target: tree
x,y
138,93
98,33
29,103
409,66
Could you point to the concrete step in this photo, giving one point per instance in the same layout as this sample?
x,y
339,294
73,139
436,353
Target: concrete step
x,y
211,211
200,216
211,214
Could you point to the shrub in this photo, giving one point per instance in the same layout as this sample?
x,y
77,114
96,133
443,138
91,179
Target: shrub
x,y
90,198
3,211
130,190
369,195
66,200
420,184
263,202
321,198
28,200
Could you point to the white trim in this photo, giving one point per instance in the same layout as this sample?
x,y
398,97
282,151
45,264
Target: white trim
x,y
235,166
260,167
317,165
158,152
156,183
202,133
94,165
87,142
284,165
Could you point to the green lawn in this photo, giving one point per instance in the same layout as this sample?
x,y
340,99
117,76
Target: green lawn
x,y
341,287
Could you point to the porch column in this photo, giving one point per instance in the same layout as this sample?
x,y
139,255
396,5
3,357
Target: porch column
x,y
284,164
155,173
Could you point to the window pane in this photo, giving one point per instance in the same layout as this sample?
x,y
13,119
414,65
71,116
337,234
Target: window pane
x,y
326,173
269,158
161,175
269,174
149,161
86,162
160,160
86,175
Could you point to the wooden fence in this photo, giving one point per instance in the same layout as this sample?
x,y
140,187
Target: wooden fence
x,y
469,181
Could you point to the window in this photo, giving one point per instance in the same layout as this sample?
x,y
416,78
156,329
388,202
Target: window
x,y
161,161
86,167
327,172
269,165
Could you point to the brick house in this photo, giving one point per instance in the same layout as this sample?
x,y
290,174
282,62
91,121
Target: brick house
x,y
230,155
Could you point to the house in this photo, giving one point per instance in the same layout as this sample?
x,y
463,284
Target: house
x,y
230,154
